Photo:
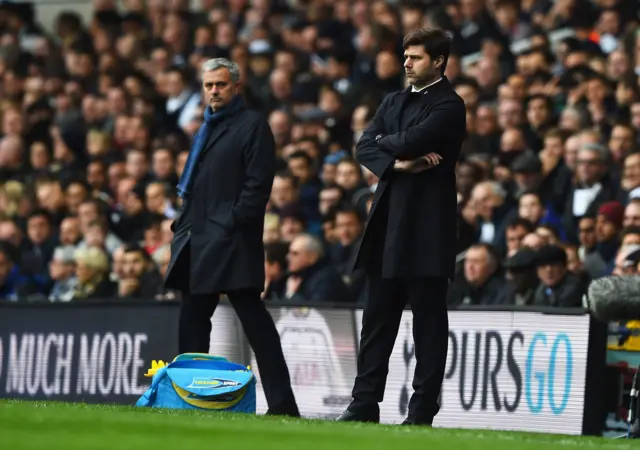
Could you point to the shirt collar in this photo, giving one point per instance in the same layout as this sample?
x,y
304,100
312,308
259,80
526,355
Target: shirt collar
x,y
414,89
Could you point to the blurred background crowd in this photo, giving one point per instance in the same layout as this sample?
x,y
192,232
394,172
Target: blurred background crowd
x,y
96,120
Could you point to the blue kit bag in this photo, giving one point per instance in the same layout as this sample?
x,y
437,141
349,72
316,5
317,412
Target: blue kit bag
x,y
200,381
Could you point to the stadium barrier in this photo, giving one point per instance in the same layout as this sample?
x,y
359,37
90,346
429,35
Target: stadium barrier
x,y
506,369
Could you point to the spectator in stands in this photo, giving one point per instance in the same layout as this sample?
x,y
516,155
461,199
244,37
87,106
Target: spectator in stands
x,y
40,243
593,186
140,276
62,272
311,276
522,279
516,231
558,287
608,227
275,267
482,280
92,273
593,262
632,213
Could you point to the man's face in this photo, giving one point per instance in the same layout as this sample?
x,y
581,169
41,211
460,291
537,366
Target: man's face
x,y
136,165
419,67
530,208
218,88
282,192
632,215
605,230
38,229
299,167
10,232
515,235
76,194
299,257
60,270
589,167
537,112
587,233
348,228
95,237
553,146
162,163
328,199
155,199
133,265
87,213
477,268
96,176
621,142
551,274
347,175
70,231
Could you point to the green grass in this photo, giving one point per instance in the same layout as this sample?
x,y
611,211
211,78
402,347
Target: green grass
x,y
61,426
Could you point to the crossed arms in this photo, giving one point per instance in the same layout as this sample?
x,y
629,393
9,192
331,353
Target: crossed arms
x,y
409,149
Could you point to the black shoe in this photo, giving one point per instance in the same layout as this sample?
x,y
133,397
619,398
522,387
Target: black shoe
x,y
289,412
414,421
349,416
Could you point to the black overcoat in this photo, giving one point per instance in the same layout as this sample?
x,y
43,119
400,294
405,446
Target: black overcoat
x,y
412,226
217,244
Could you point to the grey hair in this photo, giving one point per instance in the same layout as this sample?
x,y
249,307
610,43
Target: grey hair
x,y
218,63
495,187
312,244
600,150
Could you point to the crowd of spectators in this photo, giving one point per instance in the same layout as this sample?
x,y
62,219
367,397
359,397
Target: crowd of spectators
x,y
96,120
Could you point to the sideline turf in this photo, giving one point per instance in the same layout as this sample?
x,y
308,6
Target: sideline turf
x,y
63,426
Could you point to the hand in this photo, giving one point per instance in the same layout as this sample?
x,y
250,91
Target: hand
x,y
127,286
598,112
419,165
293,284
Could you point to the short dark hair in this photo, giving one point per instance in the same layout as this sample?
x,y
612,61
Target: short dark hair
x,y
348,209
520,222
276,252
301,154
436,42
40,212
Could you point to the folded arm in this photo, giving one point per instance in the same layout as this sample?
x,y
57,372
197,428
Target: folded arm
x,y
368,151
444,122
259,156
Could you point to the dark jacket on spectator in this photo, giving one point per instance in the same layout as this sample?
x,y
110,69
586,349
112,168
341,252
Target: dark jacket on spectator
x,y
462,293
567,294
321,283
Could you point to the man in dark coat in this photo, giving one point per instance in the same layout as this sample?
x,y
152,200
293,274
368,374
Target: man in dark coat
x,y
409,246
217,246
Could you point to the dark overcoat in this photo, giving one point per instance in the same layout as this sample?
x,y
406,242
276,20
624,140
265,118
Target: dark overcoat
x,y
411,230
217,244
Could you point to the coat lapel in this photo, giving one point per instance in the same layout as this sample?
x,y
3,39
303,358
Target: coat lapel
x,y
216,134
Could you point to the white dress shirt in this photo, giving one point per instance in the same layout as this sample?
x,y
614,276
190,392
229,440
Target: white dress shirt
x,y
414,89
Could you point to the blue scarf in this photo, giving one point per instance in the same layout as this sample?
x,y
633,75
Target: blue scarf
x,y
200,141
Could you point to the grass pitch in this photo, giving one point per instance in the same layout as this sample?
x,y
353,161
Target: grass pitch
x,y
62,426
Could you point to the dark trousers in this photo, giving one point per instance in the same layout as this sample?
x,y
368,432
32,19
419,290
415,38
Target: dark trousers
x,y
258,326
381,319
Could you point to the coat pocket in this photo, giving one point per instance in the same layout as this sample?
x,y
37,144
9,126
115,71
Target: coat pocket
x,y
221,216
